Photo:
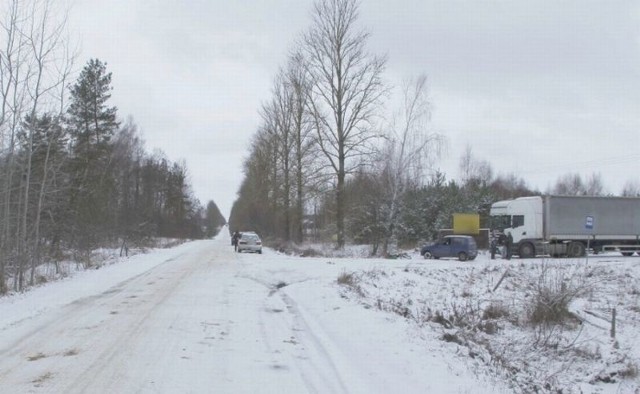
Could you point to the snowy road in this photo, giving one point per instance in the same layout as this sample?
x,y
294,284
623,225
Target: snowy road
x,y
201,318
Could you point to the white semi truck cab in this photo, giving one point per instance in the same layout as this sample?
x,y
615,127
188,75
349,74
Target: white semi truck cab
x,y
522,218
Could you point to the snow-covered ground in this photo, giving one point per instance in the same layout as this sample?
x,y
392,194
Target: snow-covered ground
x,y
200,318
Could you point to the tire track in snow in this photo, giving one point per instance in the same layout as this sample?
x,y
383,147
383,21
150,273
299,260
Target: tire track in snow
x,y
123,341
74,318
317,366
284,326
90,329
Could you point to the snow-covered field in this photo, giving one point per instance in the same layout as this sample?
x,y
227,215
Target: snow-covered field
x,y
199,318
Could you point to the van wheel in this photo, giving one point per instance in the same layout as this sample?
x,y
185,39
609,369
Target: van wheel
x,y
526,251
462,256
428,256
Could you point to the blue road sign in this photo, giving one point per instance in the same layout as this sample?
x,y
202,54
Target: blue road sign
x,y
589,223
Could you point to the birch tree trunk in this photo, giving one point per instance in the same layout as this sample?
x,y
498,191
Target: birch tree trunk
x,y
12,62
28,66
411,149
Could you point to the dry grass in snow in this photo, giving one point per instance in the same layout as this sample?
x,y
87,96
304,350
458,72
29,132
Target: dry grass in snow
x,y
541,325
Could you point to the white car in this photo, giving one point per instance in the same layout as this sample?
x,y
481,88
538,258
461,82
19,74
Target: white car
x,y
249,242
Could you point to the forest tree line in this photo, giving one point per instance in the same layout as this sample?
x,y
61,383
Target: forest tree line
x,y
329,163
73,176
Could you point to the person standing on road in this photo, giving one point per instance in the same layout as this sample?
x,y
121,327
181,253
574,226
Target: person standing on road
x,y
234,240
494,244
509,246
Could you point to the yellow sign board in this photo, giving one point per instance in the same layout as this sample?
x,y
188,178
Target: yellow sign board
x,y
466,223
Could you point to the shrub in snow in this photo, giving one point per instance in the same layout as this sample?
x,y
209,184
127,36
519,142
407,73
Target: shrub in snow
x,y
488,327
449,337
552,293
521,323
346,278
350,281
495,310
630,371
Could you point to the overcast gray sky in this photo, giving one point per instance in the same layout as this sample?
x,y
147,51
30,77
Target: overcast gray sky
x,y
537,88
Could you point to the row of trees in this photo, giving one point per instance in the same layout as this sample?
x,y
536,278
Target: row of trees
x,y
72,177
324,147
317,129
327,161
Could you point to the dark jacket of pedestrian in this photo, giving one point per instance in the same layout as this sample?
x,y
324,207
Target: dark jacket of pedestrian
x,y
234,238
509,246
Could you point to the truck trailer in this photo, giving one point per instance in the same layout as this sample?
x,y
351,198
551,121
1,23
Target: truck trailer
x,y
567,225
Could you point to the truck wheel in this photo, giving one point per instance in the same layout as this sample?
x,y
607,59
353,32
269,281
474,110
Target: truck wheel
x,y
576,249
428,255
462,256
526,251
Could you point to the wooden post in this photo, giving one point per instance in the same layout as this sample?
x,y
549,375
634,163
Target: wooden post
x,y
586,252
501,279
613,323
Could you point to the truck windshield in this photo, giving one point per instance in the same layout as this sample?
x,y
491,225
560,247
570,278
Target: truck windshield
x,y
500,222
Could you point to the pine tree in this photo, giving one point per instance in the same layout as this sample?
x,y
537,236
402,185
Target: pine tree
x,y
91,121
92,124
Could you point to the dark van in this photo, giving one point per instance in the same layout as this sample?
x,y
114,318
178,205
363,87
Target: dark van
x,y
462,247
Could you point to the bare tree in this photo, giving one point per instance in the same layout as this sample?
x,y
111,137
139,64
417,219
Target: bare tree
x,y
346,89
572,184
12,90
509,186
411,149
474,170
283,155
303,141
569,185
594,185
273,140
47,42
466,164
287,118
281,114
631,189
31,71
255,205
